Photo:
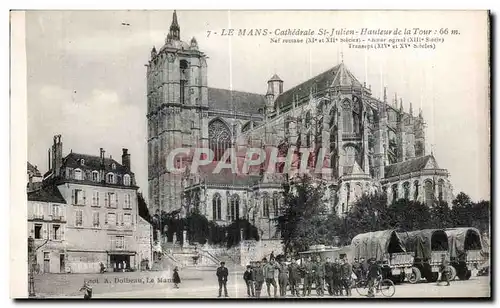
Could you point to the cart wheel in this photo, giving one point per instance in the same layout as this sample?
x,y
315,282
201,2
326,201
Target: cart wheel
x,y
452,273
387,288
415,275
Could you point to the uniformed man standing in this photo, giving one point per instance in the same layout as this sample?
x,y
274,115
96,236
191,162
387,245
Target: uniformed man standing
x,y
364,268
258,276
269,270
337,279
319,276
307,269
222,273
294,277
282,277
329,275
345,274
374,273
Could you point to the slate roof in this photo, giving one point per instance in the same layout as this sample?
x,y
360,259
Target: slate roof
x,y
338,75
275,78
412,165
33,170
92,162
241,102
48,193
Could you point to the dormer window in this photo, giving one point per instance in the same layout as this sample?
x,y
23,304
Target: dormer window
x,y
78,174
110,178
95,176
82,162
126,180
113,166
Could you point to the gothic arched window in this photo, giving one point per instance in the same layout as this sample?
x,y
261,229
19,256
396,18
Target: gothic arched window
x,y
219,136
346,117
356,116
441,190
406,189
184,77
333,115
415,192
216,207
275,205
394,192
265,205
234,208
429,192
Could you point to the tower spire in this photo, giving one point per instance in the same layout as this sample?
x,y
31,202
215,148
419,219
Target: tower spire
x,y
385,94
401,104
175,30
411,109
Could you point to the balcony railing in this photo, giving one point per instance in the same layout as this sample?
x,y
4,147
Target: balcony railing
x,y
38,216
57,217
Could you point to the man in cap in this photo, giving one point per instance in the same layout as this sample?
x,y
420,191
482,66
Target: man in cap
x,y
222,273
294,277
329,275
345,274
258,275
282,276
319,276
337,280
307,269
374,274
269,274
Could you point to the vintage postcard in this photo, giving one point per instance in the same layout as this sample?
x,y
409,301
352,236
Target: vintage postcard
x,y
250,154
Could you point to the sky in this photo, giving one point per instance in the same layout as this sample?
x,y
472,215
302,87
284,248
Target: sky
x,y
86,76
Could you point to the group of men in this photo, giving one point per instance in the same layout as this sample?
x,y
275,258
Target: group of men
x,y
338,276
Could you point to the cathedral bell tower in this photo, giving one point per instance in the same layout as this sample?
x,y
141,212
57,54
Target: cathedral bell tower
x,y
177,98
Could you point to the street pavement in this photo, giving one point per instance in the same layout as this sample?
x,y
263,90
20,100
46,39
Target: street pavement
x,y
202,283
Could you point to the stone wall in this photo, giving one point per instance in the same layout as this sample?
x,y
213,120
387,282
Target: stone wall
x,y
257,250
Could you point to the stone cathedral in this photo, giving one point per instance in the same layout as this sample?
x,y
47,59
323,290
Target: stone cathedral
x,y
372,144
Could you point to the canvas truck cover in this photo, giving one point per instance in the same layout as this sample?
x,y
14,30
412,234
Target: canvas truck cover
x,y
377,244
461,240
422,243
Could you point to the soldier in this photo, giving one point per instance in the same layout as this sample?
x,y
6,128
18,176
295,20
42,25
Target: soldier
x,y
222,273
307,269
249,281
329,275
337,280
269,270
345,274
258,275
282,277
374,273
364,268
319,276
294,277
356,269
444,271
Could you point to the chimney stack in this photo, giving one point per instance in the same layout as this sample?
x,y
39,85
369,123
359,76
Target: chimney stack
x,y
126,159
57,155
102,156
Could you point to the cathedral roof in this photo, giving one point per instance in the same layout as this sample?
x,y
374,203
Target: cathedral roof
x,y
241,102
411,165
337,76
49,193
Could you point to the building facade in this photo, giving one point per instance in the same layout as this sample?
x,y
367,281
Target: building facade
x,y
100,213
372,145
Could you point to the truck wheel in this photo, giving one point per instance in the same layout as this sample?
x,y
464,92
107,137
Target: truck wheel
x,y
415,275
432,277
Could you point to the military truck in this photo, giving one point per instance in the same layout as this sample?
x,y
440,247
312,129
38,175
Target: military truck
x,y
466,251
386,248
427,248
